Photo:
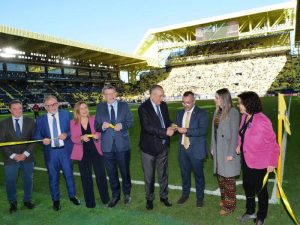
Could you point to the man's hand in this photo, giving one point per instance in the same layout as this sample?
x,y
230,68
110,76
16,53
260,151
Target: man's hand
x,y
46,141
20,157
105,125
182,130
170,131
118,127
62,136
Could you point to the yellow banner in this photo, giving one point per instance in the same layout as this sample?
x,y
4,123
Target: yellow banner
x,y
282,113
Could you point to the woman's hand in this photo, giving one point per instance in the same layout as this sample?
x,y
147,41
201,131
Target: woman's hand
x,y
229,158
84,138
238,150
96,136
270,169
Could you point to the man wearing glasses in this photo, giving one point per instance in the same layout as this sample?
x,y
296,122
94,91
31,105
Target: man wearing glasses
x,y
54,129
192,125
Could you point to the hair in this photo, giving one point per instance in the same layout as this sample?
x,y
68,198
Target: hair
x,y
154,87
48,97
226,101
76,111
16,101
188,93
251,101
108,87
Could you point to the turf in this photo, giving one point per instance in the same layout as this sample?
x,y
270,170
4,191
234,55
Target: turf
x,y
135,213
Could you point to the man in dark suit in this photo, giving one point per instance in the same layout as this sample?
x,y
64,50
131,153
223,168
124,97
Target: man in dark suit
x,y
18,157
113,119
192,125
154,141
54,129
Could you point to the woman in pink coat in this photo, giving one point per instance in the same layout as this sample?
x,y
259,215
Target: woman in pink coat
x,y
87,151
259,150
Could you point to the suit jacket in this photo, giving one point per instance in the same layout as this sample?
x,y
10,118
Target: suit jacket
x,y
121,138
152,134
227,136
77,152
42,131
8,134
196,131
260,147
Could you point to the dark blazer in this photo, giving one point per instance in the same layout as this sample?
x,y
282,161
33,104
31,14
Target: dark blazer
x,y
152,134
8,134
196,131
42,131
124,116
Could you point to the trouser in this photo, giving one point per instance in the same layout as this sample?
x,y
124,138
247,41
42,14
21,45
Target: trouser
x,y
228,192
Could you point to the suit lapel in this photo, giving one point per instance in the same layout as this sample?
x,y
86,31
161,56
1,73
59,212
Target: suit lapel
x,y
119,112
11,128
152,111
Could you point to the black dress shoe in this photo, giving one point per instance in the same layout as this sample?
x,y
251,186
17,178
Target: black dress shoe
x,y
29,205
149,205
127,199
75,200
113,202
56,205
182,200
13,207
199,203
166,202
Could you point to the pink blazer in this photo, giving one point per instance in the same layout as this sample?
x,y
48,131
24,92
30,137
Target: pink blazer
x,y
260,146
77,152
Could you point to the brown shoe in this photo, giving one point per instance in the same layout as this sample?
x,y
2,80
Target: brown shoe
x,y
224,213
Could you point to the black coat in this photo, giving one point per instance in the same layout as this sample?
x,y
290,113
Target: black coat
x,y
152,134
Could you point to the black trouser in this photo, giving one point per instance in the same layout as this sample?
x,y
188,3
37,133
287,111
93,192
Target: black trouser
x,y
91,158
149,163
252,183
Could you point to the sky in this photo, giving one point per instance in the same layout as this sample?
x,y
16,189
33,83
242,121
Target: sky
x,y
115,24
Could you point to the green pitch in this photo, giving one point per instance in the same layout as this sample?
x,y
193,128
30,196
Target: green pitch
x,y
135,213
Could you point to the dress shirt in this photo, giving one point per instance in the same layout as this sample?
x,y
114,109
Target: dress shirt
x,y
50,122
183,121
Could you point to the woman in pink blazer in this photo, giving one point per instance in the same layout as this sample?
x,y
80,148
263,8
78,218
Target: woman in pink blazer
x,y
259,150
87,151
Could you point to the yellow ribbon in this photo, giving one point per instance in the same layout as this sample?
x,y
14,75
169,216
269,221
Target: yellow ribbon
x,y
18,143
111,126
283,197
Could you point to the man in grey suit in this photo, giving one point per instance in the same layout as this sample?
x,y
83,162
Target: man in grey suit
x,y
113,119
192,125
18,157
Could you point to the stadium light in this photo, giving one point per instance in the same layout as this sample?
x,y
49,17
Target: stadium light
x,y
67,62
9,52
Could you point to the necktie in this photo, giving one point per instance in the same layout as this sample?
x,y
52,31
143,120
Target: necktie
x,y
160,117
112,115
186,140
18,129
55,131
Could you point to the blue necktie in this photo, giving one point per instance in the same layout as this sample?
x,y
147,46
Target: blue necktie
x,y
18,129
55,131
160,117
112,115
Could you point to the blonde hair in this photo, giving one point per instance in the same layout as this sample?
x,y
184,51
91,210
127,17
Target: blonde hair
x,y
76,111
225,100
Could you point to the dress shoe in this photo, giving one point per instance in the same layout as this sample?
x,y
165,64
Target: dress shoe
x,y
199,203
166,202
13,207
149,205
56,205
259,222
113,202
224,212
246,217
182,200
127,199
75,200
29,205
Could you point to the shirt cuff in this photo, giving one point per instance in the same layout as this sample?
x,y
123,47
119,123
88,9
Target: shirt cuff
x,y
26,153
12,156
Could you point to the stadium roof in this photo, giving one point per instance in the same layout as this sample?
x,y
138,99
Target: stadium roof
x,y
184,28
52,46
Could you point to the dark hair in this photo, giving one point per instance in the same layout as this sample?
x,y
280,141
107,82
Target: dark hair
x,y
16,101
156,86
251,101
187,93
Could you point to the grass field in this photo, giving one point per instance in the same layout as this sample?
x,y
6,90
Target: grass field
x,y
135,213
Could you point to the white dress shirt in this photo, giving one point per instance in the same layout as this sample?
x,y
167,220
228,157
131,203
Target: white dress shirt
x,y
50,122
183,122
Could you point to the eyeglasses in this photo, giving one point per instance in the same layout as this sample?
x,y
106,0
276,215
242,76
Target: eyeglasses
x,y
53,105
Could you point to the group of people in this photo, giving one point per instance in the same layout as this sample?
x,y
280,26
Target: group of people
x,y
101,144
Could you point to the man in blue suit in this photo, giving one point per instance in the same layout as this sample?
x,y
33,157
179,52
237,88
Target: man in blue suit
x,y
54,129
113,119
192,125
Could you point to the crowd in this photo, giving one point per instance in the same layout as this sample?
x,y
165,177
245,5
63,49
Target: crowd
x,y
101,144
